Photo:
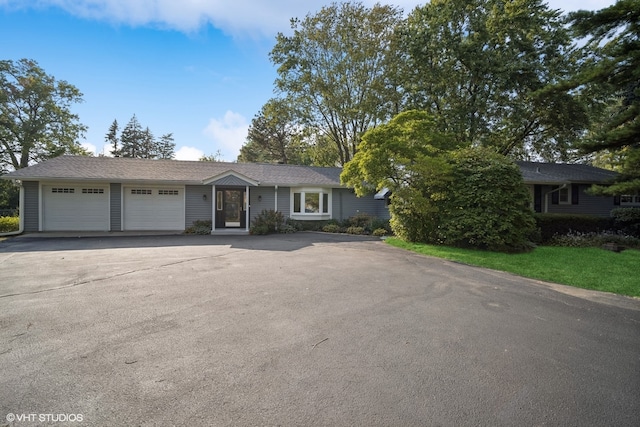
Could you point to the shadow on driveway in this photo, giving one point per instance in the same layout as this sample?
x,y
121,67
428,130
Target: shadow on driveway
x,y
273,242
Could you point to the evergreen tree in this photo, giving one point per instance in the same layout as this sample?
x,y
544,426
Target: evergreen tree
x,y
112,139
165,147
132,138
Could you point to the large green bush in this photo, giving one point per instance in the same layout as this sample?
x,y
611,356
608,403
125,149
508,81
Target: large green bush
x,y
552,225
486,204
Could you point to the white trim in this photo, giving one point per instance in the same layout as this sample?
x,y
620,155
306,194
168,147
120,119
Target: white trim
x,y
214,207
311,215
40,212
246,206
569,194
230,173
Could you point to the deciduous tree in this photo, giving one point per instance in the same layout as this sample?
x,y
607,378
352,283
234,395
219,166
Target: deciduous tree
x,y
36,122
334,69
479,67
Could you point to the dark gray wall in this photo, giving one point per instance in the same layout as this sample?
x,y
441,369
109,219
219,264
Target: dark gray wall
x,y
587,204
31,205
115,194
346,204
196,208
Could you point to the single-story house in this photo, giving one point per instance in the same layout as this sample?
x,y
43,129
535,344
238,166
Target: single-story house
x,y
562,188
77,193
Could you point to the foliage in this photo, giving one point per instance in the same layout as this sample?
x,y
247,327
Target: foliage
x,y
611,63
139,143
355,230
578,239
332,228
274,136
468,197
9,223
630,215
589,268
217,157
335,68
380,232
479,66
486,204
551,225
9,195
36,122
203,227
268,221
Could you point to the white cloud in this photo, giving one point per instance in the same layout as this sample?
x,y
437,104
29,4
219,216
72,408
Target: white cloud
x,y
89,147
188,153
239,18
228,134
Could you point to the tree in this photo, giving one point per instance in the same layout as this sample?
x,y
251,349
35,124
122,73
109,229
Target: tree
x,y
112,138
132,138
612,63
273,135
216,157
334,71
148,146
442,194
36,122
165,147
479,67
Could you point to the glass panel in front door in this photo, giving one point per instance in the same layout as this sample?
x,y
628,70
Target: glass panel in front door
x,y
232,208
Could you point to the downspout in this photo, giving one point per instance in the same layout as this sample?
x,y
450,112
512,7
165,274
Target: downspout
x,y
21,213
546,196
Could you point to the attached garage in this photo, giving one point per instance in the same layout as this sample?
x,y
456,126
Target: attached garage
x,y
153,208
75,207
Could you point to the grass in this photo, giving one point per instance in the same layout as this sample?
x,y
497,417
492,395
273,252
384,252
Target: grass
x,y
588,268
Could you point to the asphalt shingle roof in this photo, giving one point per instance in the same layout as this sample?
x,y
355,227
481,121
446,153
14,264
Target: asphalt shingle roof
x,y
121,169
542,173
124,170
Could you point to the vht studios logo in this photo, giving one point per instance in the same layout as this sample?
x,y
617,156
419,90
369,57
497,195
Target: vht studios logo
x,y
43,418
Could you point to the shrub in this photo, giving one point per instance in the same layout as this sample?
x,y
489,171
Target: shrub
x,y
9,224
199,227
355,230
332,228
627,220
380,232
551,225
594,239
486,205
268,221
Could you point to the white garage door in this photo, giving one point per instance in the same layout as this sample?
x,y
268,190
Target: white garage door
x,y
75,207
153,208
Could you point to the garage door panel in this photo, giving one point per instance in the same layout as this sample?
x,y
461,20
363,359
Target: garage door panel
x,y
154,208
74,207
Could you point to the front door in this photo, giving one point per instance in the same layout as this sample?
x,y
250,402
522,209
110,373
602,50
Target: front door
x,y
230,209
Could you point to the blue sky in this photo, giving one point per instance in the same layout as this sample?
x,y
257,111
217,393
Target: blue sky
x,y
196,68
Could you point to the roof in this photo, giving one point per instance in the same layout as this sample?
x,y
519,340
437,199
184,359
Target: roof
x,y
121,169
553,173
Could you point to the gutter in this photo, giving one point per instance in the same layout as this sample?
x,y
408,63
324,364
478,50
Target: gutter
x,y
21,211
546,196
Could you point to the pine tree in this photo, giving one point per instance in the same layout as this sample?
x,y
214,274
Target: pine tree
x,y
132,138
165,147
112,138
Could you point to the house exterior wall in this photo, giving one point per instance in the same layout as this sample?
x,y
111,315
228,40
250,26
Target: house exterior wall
x,y
346,204
196,207
115,207
261,198
587,204
31,206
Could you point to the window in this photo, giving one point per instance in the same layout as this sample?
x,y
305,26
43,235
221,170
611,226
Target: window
x,y
168,192
219,201
63,190
630,199
564,195
313,202
142,191
93,191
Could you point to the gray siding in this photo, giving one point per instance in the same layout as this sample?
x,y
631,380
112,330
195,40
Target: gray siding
x,y
31,206
346,204
261,198
115,193
587,203
196,207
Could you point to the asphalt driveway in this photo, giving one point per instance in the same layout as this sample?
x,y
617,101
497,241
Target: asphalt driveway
x,y
297,330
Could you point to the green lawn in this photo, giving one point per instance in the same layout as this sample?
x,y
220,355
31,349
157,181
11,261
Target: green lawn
x,y
588,268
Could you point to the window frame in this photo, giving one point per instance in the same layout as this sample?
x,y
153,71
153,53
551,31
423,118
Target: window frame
x,y
299,200
562,191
